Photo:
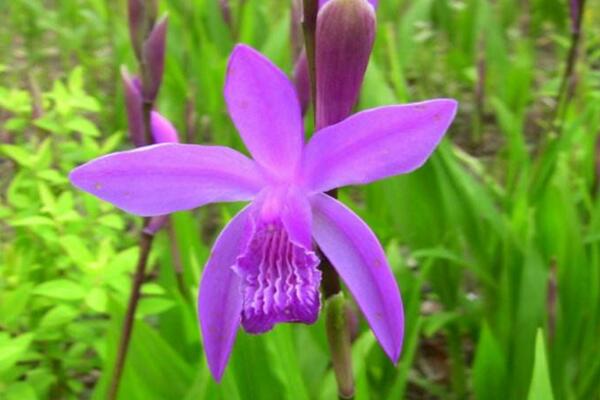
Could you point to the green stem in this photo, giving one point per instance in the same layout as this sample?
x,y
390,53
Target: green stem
x,y
339,340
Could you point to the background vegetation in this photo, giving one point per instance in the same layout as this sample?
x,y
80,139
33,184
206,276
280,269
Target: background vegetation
x,y
495,243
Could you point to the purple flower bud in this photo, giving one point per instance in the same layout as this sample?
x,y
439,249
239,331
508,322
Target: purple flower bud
x,y
133,103
344,40
373,3
137,25
154,59
162,129
302,82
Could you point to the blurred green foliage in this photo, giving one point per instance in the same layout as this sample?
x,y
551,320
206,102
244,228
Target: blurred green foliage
x,y
495,242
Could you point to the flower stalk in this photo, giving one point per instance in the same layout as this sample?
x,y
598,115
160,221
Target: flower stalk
x,y
148,41
309,27
567,84
145,245
339,339
343,39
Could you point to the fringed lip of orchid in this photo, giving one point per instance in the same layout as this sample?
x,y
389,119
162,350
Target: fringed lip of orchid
x,y
263,269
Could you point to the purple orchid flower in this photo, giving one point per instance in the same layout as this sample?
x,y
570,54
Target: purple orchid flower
x,y
263,267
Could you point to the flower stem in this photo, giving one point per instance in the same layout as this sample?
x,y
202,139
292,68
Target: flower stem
x,y
309,26
145,246
338,332
337,325
338,336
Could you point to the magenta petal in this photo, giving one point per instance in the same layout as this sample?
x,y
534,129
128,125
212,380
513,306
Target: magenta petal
x,y
219,300
162,129
357,256
296,216
264,107
376,144
290,206
164,178
279,275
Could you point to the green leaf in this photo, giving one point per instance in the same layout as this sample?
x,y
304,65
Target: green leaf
x,y
20,391
75,247
97,300
540,388
62,289
18,154
83,126
33,221
11,349
489,372
57,316
153,306
13,303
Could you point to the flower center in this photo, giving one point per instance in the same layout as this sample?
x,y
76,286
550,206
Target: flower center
x,y
280,280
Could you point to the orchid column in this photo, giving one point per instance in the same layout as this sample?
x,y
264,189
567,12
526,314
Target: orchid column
x,y
344,36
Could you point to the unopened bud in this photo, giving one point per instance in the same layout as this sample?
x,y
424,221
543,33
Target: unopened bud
x,y
344,40
372,2
162,129
133,104
154,59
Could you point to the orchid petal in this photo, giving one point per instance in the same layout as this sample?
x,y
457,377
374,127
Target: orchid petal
x,y
289,205
296,216
357,256
219,299
264,107
279,275
376,144
164,178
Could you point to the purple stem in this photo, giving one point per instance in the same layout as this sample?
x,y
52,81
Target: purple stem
x,y
566,86
140,270
309,26
147,235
